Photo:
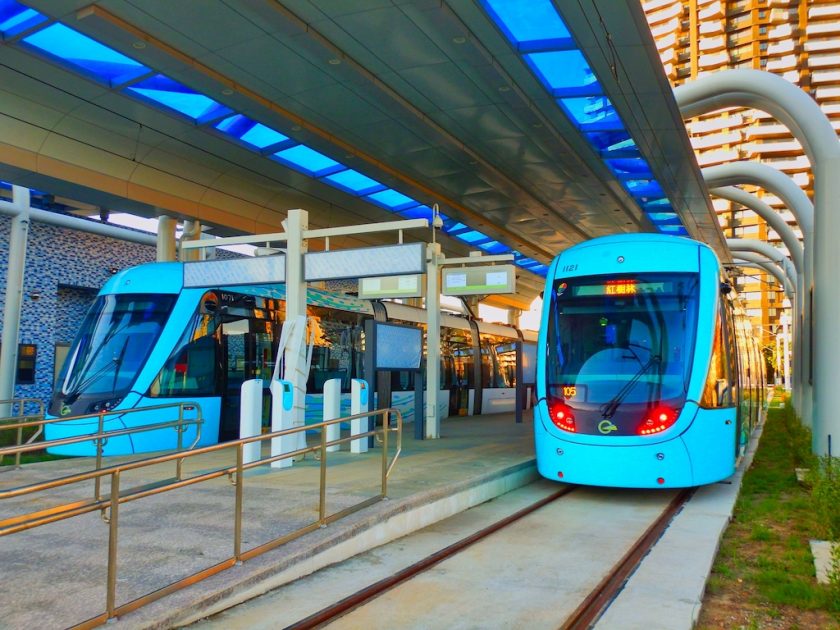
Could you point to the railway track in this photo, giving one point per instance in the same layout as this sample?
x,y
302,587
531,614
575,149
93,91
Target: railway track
x,y
584,616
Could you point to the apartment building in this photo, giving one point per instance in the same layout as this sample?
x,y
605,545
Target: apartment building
x,y
796,39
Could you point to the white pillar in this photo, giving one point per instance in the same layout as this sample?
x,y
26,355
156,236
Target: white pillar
x,y
295,356
14,295
432,340
192,232
786,352
166,239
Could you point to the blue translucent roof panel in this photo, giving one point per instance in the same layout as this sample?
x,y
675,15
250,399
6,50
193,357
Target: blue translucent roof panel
x,y
421,212
630,167
393,200
454,226
178,97
307,160
85,54
661,204
565,73
609,143
644,187
658,217
592,113
529,24
494,247
673,229
472,236
250,131
15,17
354,182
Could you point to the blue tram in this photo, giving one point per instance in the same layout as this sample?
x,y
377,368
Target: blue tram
x,y
648,375
147,340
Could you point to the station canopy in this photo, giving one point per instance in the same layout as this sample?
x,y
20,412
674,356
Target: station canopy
x,y
532,124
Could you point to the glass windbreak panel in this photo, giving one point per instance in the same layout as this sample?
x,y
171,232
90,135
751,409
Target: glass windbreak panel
x,y
15,17
620,348
113,344
339,347
565,72
529,23
177,96
86,54
250,131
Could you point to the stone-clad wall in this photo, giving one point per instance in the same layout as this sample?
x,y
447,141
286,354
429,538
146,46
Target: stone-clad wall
x,y
64,268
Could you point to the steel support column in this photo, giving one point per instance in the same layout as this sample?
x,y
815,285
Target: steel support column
x,y
433,255
14,294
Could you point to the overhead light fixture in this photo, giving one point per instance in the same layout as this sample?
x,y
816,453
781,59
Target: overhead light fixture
x,y
459,40
139,45
227,91
334,61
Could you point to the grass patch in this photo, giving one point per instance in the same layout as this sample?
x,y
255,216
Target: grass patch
x,y
764,571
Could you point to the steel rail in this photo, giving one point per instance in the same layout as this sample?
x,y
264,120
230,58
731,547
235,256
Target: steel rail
x,y
376,589
594,605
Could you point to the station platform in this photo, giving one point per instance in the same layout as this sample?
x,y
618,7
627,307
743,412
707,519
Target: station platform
x,y
56,574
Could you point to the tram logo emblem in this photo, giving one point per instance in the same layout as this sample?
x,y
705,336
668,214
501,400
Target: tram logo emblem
x,y
65,410
606,427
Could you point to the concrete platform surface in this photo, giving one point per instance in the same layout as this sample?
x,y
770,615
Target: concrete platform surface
x,y
59,570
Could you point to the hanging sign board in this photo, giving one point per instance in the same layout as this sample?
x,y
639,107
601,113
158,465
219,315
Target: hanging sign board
x,y
379,287
221,273
479,280
388,260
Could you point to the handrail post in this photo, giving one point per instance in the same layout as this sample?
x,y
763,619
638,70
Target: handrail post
x,y
19,435
322,501
113,524
99,447
386,426
180,431
237,526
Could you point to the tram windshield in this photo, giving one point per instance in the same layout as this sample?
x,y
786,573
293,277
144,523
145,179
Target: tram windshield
x,y
619,352
113,343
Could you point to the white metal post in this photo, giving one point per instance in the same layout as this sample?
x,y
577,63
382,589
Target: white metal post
x,y
14,295
786,351
297,222
432,341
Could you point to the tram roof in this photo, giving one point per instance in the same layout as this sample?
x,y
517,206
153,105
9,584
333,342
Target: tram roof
x,y
533,129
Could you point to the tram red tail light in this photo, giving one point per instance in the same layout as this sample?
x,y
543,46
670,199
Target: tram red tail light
x,y
657,420
562,415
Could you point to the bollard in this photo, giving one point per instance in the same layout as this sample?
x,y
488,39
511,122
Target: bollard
x,y
332,410
250,417
358,404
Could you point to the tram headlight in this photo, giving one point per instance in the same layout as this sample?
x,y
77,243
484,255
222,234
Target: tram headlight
x,y
562,416
657,420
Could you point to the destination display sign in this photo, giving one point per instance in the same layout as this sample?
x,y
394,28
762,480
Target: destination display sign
x,y
388,260
479,280
239,271
391,287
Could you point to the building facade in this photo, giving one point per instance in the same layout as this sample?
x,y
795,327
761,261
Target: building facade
x,y
796,39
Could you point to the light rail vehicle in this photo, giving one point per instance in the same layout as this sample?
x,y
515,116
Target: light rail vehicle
x,y
648,375
148,340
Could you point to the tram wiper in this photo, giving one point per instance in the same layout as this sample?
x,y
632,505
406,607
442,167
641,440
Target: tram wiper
x,y
73,394
609,408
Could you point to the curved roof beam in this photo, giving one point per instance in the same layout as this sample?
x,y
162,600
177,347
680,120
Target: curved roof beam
x,y
771,179
747,259
740,245
774,220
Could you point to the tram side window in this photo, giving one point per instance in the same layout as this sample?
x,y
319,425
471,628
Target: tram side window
x,y
718,389
457,358
191,368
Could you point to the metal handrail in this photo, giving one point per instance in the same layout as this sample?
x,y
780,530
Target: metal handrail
x,y
21,404
102,436
236,475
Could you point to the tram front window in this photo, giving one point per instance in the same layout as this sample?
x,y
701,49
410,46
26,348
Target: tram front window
x,y
619,352
113,343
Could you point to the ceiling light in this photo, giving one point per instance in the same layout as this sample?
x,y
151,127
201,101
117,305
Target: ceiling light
x,y
459,40
334,61
139,45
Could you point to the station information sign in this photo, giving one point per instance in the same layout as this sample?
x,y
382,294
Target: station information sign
x,y
479,280
387,260
391,287
239,271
